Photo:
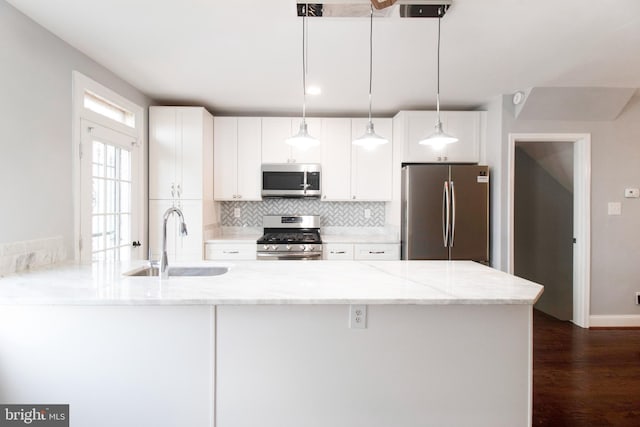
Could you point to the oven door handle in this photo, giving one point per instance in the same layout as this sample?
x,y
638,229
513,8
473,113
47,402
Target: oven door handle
x,y
299,255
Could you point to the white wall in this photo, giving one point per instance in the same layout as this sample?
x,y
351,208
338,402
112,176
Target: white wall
x,y
35,127
615,240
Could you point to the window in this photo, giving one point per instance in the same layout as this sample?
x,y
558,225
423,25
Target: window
x,y
108,109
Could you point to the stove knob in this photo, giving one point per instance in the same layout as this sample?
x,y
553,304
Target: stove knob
x,y
265,247
274,247
302,248
288,247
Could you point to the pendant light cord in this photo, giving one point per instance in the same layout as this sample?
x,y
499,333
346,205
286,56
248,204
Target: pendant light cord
x,y
370,59
304,63
438,75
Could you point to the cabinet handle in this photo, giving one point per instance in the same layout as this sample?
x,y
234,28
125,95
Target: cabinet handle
x,y
173,191
353,197
179,191
376,252
324,196
230,252
239,196
338,252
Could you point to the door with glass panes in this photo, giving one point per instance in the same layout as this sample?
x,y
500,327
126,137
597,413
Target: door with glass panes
x,y
110,218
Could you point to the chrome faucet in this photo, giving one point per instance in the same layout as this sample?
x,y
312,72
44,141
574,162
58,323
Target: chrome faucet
x,y
164,262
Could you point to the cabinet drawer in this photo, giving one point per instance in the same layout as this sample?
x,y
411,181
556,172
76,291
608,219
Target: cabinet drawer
x,y
380,251
337,251
218,251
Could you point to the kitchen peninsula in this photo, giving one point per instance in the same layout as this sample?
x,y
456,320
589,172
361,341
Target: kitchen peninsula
x,y
435,343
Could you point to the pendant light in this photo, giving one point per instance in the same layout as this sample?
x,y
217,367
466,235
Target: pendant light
x,y
302,139
370,139
439,138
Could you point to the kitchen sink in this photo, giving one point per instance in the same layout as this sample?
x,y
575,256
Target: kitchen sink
x,y
151,271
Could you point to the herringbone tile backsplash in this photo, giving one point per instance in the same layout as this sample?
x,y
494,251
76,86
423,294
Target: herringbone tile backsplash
x,y
332,214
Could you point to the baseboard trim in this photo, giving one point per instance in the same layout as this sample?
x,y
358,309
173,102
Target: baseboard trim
x,y
614,321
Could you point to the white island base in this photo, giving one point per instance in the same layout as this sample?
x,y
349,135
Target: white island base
x,y
271,365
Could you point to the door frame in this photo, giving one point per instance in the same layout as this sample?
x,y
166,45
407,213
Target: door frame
x,y
581,213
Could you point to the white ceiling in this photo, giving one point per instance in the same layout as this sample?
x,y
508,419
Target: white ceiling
x,y
245,56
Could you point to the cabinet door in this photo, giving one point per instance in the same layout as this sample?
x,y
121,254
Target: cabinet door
x,y
338,251
311,154
336,159
464,125
225,162
249,177
190,152
421,124
157,208
275,130
371,169
162,152
377,251
230,251
191,246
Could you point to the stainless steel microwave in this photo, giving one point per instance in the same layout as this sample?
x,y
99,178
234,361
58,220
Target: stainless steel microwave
x,y
291,180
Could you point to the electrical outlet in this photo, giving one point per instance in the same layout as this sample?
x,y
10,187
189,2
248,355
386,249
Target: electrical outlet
x,y
367,213
632,193
236,212
638,298
358,316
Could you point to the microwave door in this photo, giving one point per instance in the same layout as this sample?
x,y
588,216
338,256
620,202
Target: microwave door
x,y
283,183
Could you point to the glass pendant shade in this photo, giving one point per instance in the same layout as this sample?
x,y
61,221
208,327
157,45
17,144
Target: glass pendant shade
x,y
302,139
370,139
438,139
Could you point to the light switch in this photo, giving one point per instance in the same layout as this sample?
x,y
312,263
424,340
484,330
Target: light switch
x,y
367,213
632,193
614,208
236,212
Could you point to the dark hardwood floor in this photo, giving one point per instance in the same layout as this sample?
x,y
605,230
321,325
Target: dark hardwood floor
x,y
584,377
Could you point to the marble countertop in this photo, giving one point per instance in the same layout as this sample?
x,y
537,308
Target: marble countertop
x,y
274,282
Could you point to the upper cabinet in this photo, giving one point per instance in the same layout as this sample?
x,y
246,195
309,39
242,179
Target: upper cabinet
x,y
371,168
180,153
351,172
336,159
237,158
275,130
467,126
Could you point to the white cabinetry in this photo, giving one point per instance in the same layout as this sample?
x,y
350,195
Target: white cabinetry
x,y
361,251
230,251
336,159
338,251
351,172
181,175
464,125
275,130
377,251
371,168
237,158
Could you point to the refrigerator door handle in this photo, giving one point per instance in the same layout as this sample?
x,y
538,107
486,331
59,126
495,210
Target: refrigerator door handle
x,y
453,214
445,214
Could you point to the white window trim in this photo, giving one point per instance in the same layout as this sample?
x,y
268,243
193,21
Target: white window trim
x,y
80,84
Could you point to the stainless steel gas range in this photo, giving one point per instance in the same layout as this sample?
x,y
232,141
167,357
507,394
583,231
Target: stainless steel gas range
x,y
290,237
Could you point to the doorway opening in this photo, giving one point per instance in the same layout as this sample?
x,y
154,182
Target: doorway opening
x,y
549,219
543,222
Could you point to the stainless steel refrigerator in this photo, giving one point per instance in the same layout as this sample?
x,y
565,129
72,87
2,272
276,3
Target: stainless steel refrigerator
x,y
445,212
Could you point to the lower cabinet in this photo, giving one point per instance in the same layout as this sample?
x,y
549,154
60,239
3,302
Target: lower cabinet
x,y
230,251
379,251
179,248
361,251
337,251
